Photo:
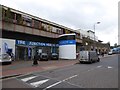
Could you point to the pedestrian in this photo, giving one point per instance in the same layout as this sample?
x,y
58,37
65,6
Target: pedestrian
x,y
102,54
35,60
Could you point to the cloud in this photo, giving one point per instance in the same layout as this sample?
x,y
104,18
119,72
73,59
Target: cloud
x,y
76,14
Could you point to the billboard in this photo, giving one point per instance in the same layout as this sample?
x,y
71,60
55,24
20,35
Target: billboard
x,y
7,45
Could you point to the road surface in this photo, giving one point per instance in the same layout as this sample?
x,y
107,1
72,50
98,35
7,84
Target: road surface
x,y
103,74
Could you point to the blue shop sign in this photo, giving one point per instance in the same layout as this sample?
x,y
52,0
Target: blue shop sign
x,y
67,42
36,44
30,43
21,42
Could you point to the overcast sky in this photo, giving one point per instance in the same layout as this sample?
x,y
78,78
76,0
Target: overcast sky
x,y
75,14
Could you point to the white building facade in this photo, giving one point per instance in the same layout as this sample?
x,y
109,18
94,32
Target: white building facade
x,y
89,34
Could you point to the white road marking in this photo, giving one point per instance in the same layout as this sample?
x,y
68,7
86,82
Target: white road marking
x,y
38,83
99,66
70,78
53,85
109,67
90,69
28,78
94,68
60,82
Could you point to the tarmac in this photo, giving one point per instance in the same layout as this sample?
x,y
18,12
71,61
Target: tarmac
x,y
20,67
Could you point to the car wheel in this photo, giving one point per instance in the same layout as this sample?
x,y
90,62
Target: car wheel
x,y
81,62
91,61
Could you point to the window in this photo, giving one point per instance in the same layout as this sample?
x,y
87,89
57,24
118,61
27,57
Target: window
x,y
19,19
77,35
69,37
44,26
8,15
48,28
67,31
54,29
36,24
27,21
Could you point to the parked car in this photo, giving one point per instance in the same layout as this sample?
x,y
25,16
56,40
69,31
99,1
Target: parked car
x,y
44,56
5,59
110,53
88,56
54,56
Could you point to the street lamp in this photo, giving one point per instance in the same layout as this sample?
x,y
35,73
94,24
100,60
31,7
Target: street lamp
x,y
86,45
94,33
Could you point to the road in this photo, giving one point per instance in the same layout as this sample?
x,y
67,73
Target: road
x,y
103,74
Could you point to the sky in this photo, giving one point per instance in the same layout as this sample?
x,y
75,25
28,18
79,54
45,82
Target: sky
x,y
75,14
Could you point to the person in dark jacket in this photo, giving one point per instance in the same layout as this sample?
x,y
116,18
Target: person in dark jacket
x,y
102,54
35,60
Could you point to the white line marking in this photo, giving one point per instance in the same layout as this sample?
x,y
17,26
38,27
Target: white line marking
x,y
91,69
70,78
28,78
38,83
53,85
99,66
94,68
60,82
110,67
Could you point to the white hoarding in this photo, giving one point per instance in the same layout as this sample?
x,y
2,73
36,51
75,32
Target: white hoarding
x,y
67,52
67,46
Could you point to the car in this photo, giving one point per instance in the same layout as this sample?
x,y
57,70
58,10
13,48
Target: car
x,y
110,53
5,59
88,56
54,56
44,56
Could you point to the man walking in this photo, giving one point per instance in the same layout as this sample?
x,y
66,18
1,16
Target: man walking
x,y
35,60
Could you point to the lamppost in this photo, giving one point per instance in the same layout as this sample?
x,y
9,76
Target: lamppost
x,y
94,34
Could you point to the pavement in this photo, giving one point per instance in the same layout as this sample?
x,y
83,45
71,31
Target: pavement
x,y
24,67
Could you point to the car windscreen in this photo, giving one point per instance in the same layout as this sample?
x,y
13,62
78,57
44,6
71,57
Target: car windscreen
x,y
54,53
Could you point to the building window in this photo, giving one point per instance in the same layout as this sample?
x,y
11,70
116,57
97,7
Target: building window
x,y
67,31
36,24
27,21
54,29
77,36
44,26
8,15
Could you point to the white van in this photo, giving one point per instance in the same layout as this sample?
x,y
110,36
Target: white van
x,y
88,56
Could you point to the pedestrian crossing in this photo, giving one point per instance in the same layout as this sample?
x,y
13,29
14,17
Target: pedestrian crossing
x,y
28,78
37,81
